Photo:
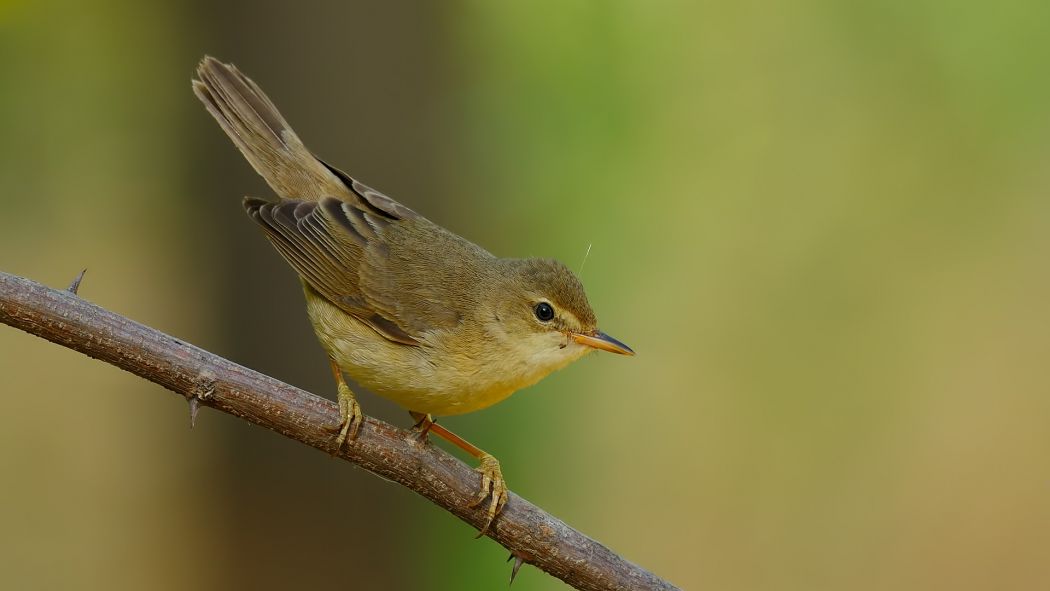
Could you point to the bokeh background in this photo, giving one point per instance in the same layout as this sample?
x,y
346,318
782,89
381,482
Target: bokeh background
x,y
824,227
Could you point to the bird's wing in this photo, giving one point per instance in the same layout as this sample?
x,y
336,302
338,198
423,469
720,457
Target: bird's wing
x,y
331,242
331,228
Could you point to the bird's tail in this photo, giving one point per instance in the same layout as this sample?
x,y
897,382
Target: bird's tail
x,y
255,125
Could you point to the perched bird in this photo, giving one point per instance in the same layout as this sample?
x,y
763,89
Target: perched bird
x,y
408,309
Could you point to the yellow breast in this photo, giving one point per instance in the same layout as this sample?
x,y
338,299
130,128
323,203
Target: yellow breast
x,y
448,374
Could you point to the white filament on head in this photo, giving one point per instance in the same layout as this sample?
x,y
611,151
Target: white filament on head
x,y
585,255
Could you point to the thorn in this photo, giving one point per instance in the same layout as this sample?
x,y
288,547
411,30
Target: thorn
x,y
75,286
204,389
517,566
195,407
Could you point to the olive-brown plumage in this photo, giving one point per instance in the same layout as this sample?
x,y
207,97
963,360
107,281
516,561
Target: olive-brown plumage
x,y
408,309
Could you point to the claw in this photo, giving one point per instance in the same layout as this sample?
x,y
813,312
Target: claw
x,y
350,415
493,487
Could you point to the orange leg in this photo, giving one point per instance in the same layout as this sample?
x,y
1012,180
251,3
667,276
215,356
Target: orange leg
x,y
424,423
492,484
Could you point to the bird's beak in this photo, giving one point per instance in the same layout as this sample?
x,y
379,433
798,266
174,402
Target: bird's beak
x,y
600,340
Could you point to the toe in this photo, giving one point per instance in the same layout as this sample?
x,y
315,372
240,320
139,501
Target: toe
x,y
357,420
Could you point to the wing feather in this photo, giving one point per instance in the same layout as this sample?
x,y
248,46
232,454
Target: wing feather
x,y
325,242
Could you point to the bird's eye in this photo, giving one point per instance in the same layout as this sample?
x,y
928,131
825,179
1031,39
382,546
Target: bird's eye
x,y
544,312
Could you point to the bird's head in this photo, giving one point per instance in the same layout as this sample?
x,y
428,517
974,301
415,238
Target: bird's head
x,y
544,317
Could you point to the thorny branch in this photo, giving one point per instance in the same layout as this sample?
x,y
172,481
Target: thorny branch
x,y
529,533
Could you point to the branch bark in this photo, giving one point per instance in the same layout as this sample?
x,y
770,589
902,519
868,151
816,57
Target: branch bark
x,y
206,379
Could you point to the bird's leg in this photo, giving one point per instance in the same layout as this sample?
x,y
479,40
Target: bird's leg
x,y
350,417
493,487
423,424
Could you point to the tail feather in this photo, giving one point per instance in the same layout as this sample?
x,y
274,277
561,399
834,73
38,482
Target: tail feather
x,y
257,128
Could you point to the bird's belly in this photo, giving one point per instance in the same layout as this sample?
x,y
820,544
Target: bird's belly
x,y
417,384
412,376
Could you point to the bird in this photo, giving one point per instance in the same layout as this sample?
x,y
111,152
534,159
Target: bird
x,y
408,309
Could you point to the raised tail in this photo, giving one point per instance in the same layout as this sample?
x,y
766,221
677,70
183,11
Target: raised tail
x,y
252,121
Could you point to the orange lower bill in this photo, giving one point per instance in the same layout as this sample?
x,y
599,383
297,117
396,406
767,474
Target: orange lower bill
x,y
600,340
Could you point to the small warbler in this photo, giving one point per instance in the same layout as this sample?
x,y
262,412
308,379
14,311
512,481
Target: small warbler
x,y
408,309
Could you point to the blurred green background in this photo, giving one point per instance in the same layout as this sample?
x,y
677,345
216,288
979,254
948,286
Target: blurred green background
x,y
824,227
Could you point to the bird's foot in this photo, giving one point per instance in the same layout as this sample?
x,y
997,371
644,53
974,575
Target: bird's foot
x,y
350,416
493,487
422,427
